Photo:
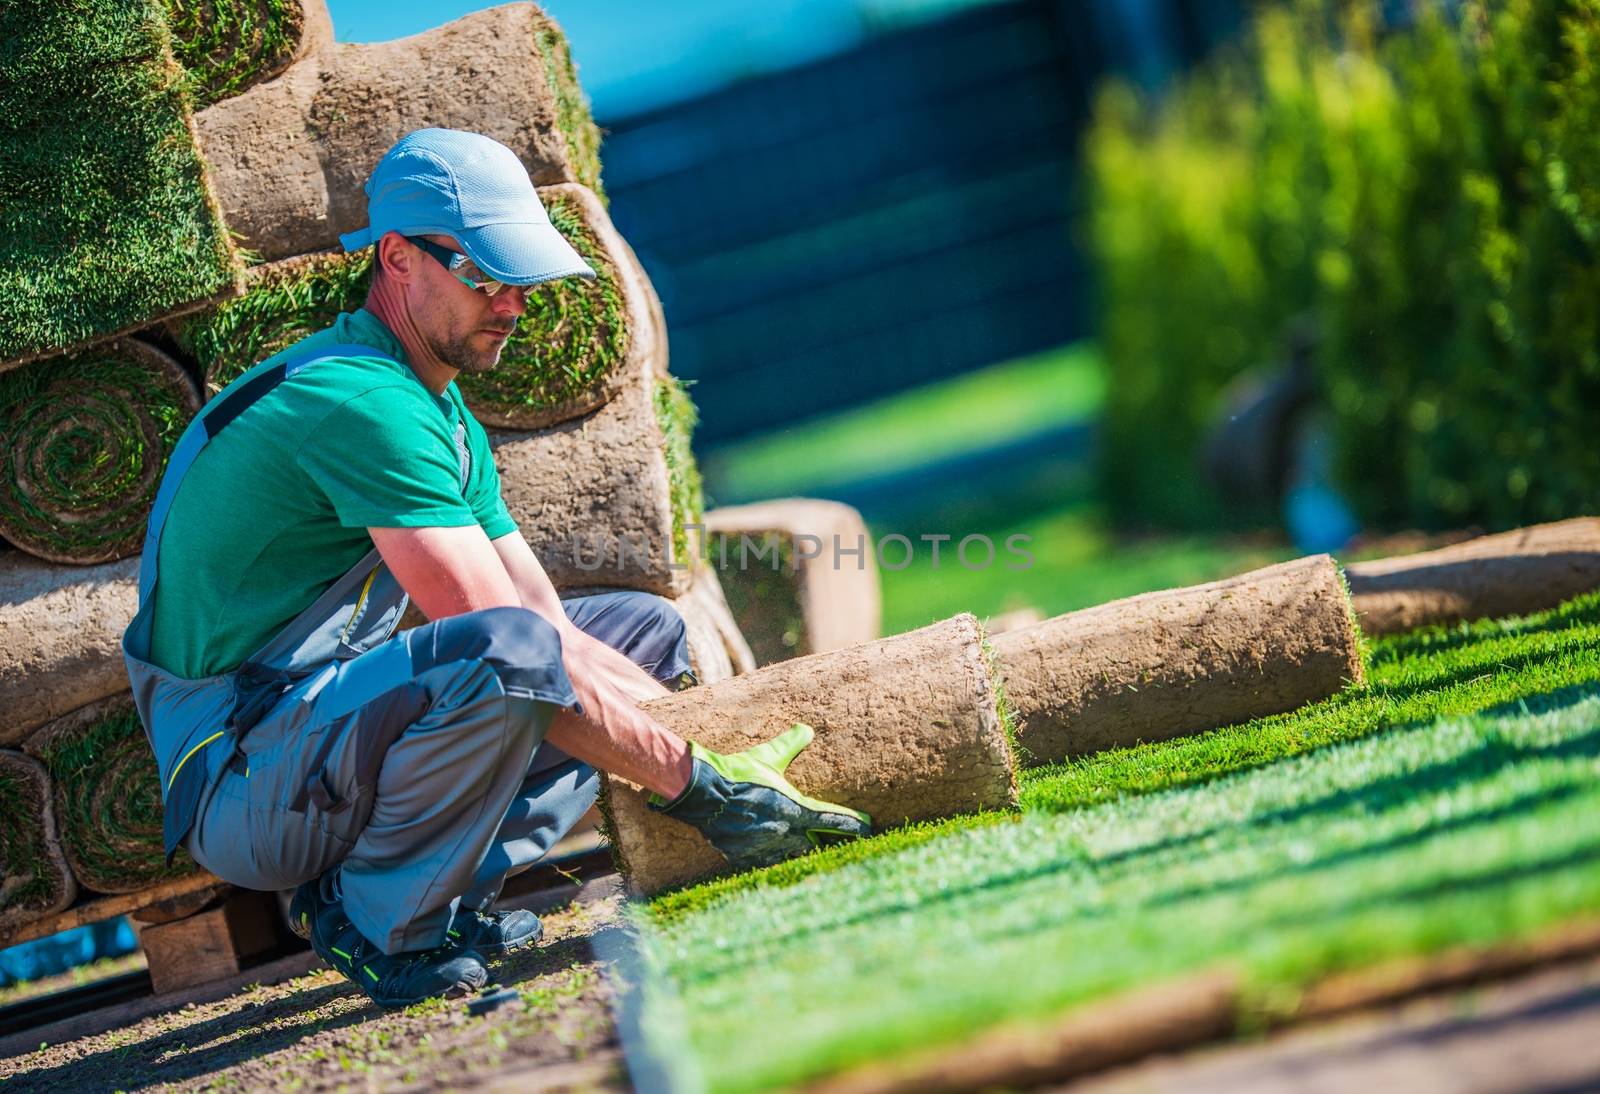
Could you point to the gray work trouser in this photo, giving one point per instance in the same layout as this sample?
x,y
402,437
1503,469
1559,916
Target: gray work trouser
x,y
418,769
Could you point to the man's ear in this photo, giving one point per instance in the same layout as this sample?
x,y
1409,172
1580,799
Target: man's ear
x,y
396,257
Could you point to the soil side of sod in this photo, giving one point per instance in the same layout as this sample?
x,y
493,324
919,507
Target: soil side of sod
x,y
318,1032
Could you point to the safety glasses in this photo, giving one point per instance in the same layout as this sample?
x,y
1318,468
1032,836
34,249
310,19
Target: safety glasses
x,y
462,268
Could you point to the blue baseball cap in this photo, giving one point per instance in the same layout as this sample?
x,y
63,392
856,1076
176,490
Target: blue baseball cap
x,y
472,188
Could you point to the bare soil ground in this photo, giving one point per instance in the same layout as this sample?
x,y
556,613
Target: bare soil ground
x,y
318,1032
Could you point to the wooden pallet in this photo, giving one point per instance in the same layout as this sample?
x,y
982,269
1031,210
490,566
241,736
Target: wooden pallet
x,y
99,908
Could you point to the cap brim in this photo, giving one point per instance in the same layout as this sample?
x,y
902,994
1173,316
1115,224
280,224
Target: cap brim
x,y
354,241
523,254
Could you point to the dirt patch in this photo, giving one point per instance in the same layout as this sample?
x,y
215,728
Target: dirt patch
x,y
1179,661
1513,573
34,879
289,158
906,730
1532,1033
318,1032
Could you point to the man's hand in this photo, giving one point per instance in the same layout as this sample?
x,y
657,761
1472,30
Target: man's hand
x,y
449,571
749,811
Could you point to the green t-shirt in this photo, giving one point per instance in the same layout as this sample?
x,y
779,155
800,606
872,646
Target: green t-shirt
x,y
277,508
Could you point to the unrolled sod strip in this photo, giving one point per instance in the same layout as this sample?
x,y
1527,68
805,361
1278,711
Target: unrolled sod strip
x,y
83,442
60,638
800,575
230,45
34,880
107,797
290,157
575,345
608,499
1165,664
907,729
1512,573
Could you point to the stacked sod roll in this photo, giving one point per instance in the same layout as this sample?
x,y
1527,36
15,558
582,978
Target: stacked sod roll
x,y
34,878
290,156
107,797
229,46
110,219
83,442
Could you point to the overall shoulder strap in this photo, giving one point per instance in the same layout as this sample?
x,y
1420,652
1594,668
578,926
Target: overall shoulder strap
x,y
211,421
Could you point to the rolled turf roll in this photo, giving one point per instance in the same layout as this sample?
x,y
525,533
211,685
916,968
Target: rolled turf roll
x,y
83,442
34,880
282,302
60,638
610,499
573,349
907,729
1512,573
1180,661
290,157
799,573
229,45
579,340
717,651
107,797
107,219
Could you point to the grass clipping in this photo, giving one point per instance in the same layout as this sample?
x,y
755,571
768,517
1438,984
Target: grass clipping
x,y
83,442
566,357
107,798
107,221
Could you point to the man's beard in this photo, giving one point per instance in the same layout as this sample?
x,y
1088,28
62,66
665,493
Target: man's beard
x,y
460,353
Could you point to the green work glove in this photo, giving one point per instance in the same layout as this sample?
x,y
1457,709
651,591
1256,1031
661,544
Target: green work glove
x,y
748,811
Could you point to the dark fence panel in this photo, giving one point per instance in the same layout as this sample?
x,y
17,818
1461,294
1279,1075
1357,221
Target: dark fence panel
x,y
900,212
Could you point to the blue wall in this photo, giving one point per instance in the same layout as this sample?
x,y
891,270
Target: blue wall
x,y
895,213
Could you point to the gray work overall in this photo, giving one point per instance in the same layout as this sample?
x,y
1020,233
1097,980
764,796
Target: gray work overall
x,y
415,763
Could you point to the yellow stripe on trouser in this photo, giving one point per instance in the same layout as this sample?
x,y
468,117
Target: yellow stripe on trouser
x,y
173,777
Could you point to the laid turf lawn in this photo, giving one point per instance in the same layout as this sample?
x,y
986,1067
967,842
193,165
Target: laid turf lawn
x,y
1454,801
1075,560
901,431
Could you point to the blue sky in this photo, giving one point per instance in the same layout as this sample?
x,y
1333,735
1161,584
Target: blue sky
x,y
636,53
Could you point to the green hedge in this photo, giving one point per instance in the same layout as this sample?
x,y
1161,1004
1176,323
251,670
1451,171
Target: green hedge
x,y
1430,197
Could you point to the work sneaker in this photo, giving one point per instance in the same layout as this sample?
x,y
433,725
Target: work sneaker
x,y
495,934
390,980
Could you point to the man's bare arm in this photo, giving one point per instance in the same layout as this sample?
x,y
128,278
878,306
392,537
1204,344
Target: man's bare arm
x,y
449,571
